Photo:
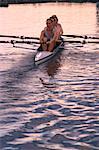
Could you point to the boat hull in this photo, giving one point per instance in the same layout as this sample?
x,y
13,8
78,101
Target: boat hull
x,y
43,56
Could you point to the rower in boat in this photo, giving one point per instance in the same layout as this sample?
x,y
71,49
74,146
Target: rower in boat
x,y
51,35
58,31
51,42
46,37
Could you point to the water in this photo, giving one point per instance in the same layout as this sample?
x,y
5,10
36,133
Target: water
x,y
61,111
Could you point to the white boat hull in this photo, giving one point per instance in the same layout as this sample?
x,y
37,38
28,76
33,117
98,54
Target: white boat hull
x,y
44,56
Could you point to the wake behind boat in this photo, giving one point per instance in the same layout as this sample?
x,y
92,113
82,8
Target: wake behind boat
x,y
43,56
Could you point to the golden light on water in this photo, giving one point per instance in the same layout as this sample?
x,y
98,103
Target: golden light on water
x,y
30,19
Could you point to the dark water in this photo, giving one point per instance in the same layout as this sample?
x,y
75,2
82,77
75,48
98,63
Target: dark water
x,y
53,106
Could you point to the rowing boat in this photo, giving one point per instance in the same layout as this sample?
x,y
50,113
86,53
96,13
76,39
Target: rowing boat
x,y
43,56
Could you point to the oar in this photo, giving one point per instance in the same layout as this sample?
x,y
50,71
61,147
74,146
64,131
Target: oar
x,y
24,47
36,38
20,37
82,42
80,36
27,42
34,42
14,42
74,36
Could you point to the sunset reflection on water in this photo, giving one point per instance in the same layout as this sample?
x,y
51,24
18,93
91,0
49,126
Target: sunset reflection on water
x,y
55,105
30,19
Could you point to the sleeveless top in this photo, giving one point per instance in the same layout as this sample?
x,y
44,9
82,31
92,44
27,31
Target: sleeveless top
x,y
47,35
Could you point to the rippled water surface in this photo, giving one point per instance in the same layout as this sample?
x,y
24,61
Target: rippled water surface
x,y
53,106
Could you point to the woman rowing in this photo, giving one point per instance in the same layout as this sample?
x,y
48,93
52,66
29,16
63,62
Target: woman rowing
x,y
47,44
51,34
58,31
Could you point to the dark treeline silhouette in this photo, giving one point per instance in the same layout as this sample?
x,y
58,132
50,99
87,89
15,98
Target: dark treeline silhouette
x,y
5,3
45,1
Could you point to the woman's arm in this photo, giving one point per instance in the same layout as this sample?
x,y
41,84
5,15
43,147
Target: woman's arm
x,y
42,36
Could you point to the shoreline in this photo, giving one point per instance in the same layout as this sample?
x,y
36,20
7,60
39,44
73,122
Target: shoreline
x,y
5,3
